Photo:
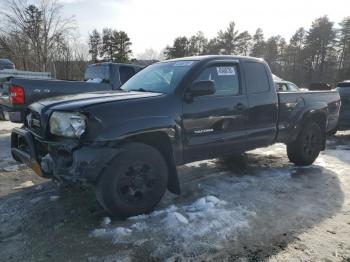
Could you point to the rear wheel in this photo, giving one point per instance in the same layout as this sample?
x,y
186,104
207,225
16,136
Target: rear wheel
x,y
134,182
307,146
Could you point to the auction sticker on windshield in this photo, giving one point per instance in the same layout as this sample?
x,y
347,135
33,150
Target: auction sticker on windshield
x,y
226,71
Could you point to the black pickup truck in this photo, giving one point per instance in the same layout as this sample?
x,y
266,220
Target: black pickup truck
x,y
128,143
17,93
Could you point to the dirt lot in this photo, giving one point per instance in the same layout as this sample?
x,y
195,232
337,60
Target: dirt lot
x,y
258,207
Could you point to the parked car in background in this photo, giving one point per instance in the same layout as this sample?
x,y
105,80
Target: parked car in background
x,y
17,93
320,86
6,64
285,86
344,115
127,144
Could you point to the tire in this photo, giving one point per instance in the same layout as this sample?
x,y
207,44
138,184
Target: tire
x,y
306,148
134,182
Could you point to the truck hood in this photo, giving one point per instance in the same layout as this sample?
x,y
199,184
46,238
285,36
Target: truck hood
x,y
87,99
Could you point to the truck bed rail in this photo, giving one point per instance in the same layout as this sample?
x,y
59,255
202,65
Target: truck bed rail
x,y
7,73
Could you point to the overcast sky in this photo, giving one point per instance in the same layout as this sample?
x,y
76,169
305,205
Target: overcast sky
x,y
155,23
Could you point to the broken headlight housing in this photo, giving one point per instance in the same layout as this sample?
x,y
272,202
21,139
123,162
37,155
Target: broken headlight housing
x,y
67,124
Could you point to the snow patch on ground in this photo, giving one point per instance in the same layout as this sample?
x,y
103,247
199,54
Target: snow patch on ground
x,y
11,168
24,185
340,154
202,163
8,164
271,150
106,221
8,126
54,198
174,219
117,235
140,226
36,200
207,221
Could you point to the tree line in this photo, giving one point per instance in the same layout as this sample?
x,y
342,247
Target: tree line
x,y
318,54
39,38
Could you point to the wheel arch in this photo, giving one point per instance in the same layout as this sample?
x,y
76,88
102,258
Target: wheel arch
x,y
318,116
160,140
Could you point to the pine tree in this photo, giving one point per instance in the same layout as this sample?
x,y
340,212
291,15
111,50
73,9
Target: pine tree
x,y
213,47
243,43
258,44
180,48
107,44
294,56
320,43
344,46
95,43
228,39
121,47
271,52
197,44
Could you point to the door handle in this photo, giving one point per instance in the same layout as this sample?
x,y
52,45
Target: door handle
x,y
239,107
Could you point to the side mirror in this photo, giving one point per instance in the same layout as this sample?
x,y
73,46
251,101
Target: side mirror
x,y
202,88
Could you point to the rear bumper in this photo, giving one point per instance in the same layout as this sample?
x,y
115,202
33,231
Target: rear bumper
x,y
11,114
61,160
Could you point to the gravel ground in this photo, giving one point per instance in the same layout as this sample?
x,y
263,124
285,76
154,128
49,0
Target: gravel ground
x,y
257,207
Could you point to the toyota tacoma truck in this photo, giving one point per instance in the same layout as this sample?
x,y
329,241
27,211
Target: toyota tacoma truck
x,y
17,93
128,143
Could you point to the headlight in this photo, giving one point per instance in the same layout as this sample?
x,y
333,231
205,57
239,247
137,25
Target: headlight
x,y
68,124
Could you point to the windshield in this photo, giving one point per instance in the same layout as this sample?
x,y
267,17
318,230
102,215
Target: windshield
x,y
97,73
161,77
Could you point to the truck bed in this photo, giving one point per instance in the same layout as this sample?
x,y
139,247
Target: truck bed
x,y
10,73
39,89
293,105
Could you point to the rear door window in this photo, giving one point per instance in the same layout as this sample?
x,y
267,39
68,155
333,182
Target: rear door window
x,y
256,78
97,73
125,73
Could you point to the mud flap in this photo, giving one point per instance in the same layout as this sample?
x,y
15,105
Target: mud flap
x,y
173,180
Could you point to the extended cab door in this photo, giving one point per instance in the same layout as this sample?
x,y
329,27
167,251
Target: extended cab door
x,y
262,103
216,124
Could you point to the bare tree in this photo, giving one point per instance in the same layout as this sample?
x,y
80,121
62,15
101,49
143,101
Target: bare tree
x,y
32,35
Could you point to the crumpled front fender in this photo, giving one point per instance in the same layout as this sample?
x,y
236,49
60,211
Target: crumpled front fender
x,y
83,164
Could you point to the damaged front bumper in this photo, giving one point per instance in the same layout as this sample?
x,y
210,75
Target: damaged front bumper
x,y
62,160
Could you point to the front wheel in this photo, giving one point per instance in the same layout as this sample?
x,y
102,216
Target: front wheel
x,y
306,148
134,182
